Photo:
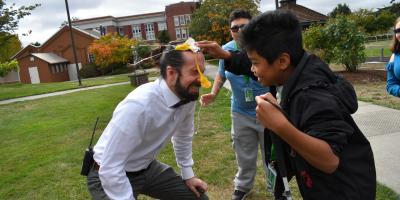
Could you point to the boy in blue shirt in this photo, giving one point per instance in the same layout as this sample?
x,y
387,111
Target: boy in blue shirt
x,y
247,133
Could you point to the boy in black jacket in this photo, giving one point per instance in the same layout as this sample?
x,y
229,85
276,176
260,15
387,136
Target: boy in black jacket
x,y
325,149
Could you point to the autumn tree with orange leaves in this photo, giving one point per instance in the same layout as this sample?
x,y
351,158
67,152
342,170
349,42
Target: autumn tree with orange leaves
x,y
112,49
211,20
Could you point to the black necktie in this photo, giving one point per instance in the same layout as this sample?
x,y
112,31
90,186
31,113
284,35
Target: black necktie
x,y
180,103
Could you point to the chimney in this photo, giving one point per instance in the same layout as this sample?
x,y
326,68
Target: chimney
x,y
287,2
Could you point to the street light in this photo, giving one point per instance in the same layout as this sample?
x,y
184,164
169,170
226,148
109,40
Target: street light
x,y
73,44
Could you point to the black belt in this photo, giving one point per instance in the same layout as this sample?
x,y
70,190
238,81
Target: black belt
x,y
97,167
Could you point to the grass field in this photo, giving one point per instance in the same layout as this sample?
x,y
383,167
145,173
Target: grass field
x,y
14,90
373,49
42,144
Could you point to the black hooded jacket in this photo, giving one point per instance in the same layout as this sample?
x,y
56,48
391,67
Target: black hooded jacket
x,y
320,104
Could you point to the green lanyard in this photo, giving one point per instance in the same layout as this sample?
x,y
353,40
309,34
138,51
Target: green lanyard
x,y
272,152
246,79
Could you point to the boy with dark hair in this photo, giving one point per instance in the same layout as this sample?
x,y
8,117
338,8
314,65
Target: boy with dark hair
x,y
323,146
247,134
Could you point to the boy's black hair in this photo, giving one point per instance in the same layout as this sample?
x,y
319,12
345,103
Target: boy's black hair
x,y
170,57
239,13
273,33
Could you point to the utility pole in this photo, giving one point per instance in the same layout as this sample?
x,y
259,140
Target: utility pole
x,y
73,44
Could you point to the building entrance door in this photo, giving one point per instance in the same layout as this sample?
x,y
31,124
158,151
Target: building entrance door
x,y
34,75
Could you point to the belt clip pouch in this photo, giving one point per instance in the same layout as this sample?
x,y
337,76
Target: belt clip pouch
x,y
87,162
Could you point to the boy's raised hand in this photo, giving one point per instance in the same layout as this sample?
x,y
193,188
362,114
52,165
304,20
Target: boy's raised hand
x,y
268,114
213,49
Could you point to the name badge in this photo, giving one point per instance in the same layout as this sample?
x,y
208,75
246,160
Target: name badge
x,y
248,95
271,178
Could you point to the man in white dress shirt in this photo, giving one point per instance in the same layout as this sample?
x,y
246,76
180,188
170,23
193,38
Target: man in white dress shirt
x,y
141,125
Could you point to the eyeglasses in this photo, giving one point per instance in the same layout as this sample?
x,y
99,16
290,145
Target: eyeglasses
x,y
396,30
236,28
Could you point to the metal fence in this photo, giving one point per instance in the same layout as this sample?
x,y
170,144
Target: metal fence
x,y
377,38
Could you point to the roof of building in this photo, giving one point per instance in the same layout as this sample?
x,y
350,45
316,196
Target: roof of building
x,y
139,16
50,58
64,28
305,15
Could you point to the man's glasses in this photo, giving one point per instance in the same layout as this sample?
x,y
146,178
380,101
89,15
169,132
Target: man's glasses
x,y
236,28
396,30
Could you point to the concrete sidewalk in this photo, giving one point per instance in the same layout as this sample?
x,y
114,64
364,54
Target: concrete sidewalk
x,y
8,101
57,93
381,126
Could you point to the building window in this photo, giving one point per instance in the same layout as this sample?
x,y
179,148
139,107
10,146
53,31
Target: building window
x,y
121,31
183,33
178,33
136,32
176,20
162,26
182,19
188,19
91,58
52,68
150,32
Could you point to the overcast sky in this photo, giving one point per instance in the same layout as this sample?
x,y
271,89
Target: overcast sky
x,y
46,19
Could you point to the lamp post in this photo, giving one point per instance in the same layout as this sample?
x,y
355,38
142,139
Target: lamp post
x,y
73,44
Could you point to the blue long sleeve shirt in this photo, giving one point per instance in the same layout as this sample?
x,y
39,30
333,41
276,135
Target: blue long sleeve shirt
x,y
393,76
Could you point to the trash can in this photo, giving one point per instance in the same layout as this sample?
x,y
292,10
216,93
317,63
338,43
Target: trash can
x,y
139,77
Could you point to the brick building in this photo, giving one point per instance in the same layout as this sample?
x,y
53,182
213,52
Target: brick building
x,y
53,61
175,20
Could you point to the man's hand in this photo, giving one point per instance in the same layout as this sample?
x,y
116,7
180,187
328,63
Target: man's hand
x,y
268,115
214,49
206,99
196,185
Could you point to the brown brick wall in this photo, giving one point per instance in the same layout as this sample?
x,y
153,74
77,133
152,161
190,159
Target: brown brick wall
x,y
61,46
128,31
44,71
111,29
172,10
143,31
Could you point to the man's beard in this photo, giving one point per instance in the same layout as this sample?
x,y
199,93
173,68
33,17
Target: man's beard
x,y
184,93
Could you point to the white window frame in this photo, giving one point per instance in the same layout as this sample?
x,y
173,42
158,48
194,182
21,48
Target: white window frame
x,y
178,33
184,33
188,19
162,26
136,31
176,20
121,31
182,20
150,34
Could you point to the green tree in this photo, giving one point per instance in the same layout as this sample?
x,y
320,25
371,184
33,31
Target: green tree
x,y
373,23
9,18
211,20
10,48
338,41
163,37
111,50
340,9
7,67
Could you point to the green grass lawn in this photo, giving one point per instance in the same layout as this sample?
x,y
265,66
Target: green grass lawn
x,y
42,144
373,49
14,90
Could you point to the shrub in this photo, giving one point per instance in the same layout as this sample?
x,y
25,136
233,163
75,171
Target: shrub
x,y
89,70
338,41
